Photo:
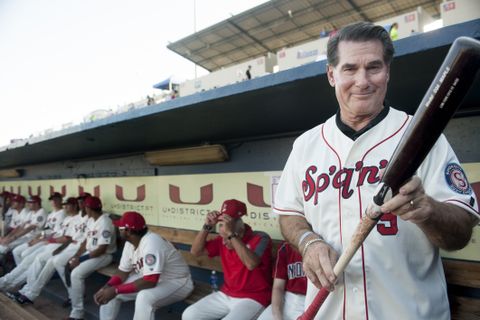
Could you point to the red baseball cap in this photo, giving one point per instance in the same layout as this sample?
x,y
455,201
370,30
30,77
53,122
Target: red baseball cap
x,y
72,201
83,195
131,220
18,198
234,208
36,199
93,203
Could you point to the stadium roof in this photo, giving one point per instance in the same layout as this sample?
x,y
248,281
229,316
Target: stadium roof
x,y
283,23
285,103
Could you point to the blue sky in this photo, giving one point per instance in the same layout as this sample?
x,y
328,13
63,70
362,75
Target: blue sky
x,y
61,59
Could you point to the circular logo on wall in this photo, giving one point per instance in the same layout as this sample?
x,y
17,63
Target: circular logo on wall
x,y
456,179
150,259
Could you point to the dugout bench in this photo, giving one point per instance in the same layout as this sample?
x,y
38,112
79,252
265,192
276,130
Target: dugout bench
x,y
463,277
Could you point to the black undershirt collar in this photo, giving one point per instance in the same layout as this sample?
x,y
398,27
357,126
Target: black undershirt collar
x,y
352,134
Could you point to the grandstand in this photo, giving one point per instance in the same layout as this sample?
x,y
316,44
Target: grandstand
x,y
254,121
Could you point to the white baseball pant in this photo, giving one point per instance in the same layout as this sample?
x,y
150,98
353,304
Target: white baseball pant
x,y
293,306
77,278
148,300
37,280
20,273
218,305
23,250
7,248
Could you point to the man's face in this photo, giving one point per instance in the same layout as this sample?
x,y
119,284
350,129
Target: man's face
x,y
360,78
224,235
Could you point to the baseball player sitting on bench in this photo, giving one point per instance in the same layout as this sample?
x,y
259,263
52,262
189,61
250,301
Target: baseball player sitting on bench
x,y
331,176
27,268
246,257
52,228
289,286
31,227
151,272
94,253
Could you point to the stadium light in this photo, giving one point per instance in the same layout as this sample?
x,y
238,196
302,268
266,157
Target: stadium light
x,y
192,155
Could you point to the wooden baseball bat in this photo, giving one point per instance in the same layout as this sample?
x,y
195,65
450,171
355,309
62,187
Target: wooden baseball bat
x,y
444,96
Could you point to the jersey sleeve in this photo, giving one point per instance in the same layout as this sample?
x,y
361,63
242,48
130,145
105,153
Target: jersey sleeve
x,y
126,261
280,267
153,259
260,243
445,180
39,219
105,232
213,246
288,197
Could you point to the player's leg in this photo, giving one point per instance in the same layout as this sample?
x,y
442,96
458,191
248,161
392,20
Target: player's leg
x,y
293,306
213,306
243,309
30,250
110,310
18,275
164,293
17,252
266,314
78,276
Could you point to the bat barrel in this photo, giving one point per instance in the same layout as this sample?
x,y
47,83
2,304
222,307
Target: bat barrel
x,y
444,96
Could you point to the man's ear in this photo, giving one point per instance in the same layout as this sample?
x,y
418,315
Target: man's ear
x,y
330,77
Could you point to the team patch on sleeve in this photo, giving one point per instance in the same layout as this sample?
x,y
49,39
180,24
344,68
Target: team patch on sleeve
x,y
150,259
106,234
456,179
39,219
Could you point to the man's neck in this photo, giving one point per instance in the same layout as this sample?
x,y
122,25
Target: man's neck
x,y
356,122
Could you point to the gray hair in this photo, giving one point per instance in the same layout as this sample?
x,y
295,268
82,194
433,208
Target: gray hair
x,y
360,32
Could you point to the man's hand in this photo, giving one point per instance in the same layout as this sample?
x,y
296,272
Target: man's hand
x,y
318,263
411,203
212,218
447,226
104,295
74,262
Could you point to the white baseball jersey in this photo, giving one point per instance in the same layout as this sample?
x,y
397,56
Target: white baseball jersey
x,y
54,223
100,232
37,219
77,228
154,255
19,219
330,180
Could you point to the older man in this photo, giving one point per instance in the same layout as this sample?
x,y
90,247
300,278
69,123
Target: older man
x,y
331,176
246,260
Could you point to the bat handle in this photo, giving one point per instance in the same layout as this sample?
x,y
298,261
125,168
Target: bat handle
x,y
313,308
358,237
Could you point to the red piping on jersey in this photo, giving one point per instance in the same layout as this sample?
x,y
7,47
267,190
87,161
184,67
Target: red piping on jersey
x,y
285,210
363,259
464,203
361,213
339,212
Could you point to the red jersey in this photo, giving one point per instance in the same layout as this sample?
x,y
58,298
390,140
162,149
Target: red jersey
x,y
239,282
289,267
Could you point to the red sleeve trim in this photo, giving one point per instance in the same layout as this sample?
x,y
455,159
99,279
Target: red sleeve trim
x,y
152,277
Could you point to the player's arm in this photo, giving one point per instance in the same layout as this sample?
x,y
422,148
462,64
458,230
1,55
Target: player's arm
x,y
318,257
198,245
446,225
107,293
278,294
23,231
101,250
250,259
